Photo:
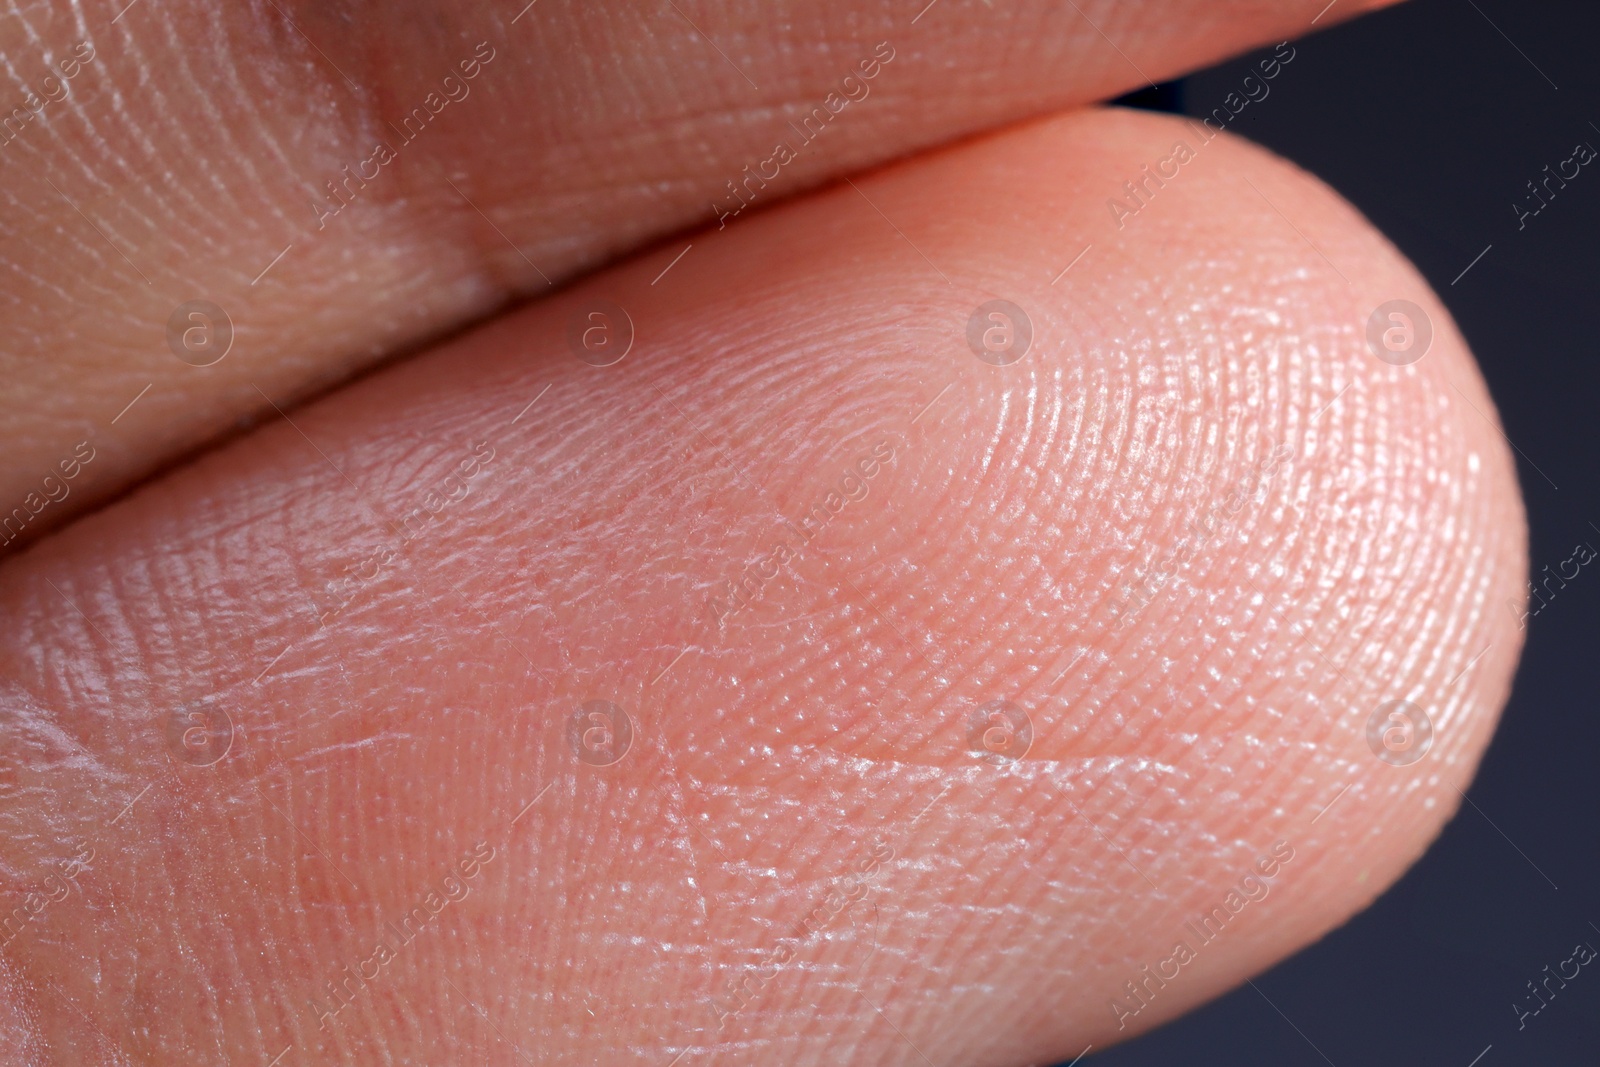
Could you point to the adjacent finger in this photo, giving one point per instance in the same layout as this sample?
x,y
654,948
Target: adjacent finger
x,y
214,209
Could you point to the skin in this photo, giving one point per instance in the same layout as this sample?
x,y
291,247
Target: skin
x,y
198,143
381,732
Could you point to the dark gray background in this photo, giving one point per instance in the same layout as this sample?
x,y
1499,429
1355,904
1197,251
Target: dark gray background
x,y
1431,120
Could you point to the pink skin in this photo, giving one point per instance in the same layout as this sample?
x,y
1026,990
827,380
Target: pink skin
x,y
172,172
822,728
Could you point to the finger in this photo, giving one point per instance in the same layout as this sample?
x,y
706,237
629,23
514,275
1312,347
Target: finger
x,y
197,229
815,683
